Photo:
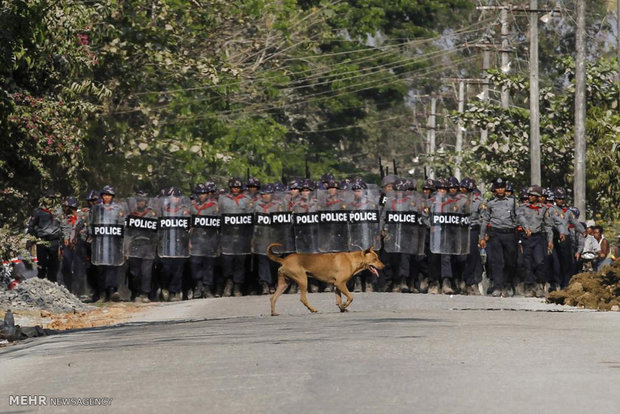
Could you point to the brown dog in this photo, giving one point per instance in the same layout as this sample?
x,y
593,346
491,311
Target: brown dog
x,y
336,268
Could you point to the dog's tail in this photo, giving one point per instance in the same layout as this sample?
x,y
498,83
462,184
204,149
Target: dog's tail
x,y
272,256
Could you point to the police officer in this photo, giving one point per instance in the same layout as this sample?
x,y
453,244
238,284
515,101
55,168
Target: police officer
x,y
233,264
253,185
498,221
472,274
69,221
45,225
141,247
266,268
84,274
564,220
202,249
108,274
361,202
535,220
423,262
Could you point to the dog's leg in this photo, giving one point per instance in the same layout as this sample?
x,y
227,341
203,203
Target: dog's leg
x,y
303,289
342,286
282,285
339,299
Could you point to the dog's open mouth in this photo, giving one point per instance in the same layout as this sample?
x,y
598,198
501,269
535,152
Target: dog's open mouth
x,y
374,270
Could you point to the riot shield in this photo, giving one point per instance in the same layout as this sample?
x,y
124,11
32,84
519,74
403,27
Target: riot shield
x,y
107,232
364,224
333,221
449,220
236,225
174,225
403,223
272,228
205,230
141,228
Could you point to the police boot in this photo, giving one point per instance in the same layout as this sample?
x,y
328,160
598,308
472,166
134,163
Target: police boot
x,y
228,289
293,288
328,288
237,290
446,287
357,286
264,288
433,288
113,295
519,289
540,290
530,291
165,295
497,292
369,287
313,287
206,292
473,290
424,285
395,286
197,294
176,297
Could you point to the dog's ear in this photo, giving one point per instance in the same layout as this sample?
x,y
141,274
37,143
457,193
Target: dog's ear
x,y
367,251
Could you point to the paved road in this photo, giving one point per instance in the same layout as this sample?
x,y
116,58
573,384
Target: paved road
x,y
394,353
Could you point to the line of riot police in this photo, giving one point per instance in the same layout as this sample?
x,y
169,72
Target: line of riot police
x,y
214,242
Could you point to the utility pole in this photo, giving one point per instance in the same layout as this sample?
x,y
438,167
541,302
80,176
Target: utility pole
x,y
486,65
431,134
535,174
459,130
505,60
579,186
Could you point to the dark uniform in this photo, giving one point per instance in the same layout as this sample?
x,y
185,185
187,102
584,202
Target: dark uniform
x,y
45,224
201,264
472,274
234,265
266,203
68,224
498,221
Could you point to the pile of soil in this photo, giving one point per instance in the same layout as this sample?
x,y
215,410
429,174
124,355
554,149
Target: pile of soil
x,y
41,294
592,290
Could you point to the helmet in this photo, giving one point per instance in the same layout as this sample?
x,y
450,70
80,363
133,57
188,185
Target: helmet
x,y
211,187
327,177
400,185
267,189
278,186
358,184
442,183
345,184
509,186
295,184
575,211
332,184
91,195
108,189
454,182
253,182
70,202
171,192
141,194
560,192
200,189
235,182
308,184
499,183
468,183
389,179
429,184
535,190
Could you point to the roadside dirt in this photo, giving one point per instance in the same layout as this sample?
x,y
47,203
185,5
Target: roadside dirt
x,y
592,290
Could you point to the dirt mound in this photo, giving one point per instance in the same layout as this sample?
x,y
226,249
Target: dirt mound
x,y
41,294
592,290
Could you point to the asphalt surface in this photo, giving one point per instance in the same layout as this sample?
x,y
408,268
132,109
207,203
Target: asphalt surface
x,y
394,353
